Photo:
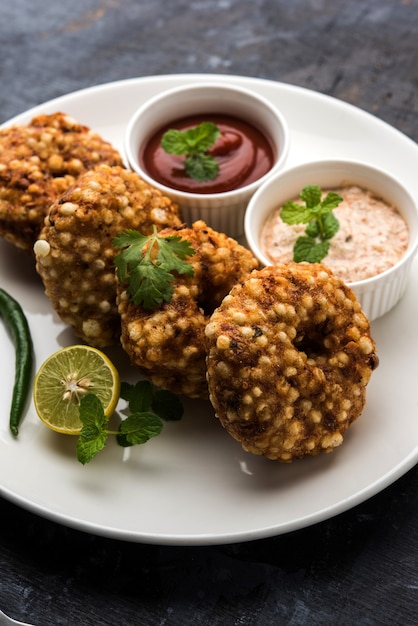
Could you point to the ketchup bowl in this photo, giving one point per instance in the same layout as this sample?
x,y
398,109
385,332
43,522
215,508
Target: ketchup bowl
x,y
380,289
252,146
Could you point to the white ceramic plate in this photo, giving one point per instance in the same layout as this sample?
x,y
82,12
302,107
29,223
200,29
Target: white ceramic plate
x,y
193,484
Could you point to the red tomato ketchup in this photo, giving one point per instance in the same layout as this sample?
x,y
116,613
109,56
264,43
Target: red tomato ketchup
x,y
244,155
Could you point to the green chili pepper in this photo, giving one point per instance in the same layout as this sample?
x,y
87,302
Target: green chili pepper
x,y
17,325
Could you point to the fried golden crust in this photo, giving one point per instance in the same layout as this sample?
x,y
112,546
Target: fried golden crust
x,y
74,252
167,344
38,162
289,358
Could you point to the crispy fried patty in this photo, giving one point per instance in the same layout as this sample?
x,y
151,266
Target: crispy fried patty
x,y
168,344
38,162
289,358
74,252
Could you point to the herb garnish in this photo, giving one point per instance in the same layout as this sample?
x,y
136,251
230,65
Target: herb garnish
x,y
148,407
322,224
147,262
194,144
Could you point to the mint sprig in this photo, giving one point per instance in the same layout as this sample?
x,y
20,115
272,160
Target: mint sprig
x,y
194,144
322,224
148,407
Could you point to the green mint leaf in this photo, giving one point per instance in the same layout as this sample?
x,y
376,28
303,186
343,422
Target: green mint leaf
x,y
138,396
167,405
307,249
201,167
202,137
197,139
127,391
322,224
93,435
330,225
312,229
194,144
139,428
143,396
331,201
311,195
174,142
148,406
295,213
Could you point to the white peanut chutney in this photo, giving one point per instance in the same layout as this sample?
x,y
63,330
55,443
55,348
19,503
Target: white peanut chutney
x,y
372,237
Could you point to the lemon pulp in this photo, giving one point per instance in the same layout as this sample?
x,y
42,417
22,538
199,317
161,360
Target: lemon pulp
x,y
65,377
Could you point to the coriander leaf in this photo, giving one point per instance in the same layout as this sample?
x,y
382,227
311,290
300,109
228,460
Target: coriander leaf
x,y
172,251
306,249
128,237
146,263
311,195
131,241
139,428
93,434
150,285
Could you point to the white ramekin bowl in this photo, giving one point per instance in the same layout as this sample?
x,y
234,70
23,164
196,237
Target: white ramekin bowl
x,y
379,293
224,212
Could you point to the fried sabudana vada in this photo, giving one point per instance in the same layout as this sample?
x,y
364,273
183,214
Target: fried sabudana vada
x,y
38,162
168,344
289,358
74,252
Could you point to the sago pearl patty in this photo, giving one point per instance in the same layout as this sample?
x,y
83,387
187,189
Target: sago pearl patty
x,y
38,162
168,344
289,358
75,254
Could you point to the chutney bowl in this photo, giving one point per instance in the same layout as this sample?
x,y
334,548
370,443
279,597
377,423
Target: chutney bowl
x,y
377,294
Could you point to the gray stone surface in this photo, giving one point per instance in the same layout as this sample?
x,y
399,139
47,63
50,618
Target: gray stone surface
x,y
362,52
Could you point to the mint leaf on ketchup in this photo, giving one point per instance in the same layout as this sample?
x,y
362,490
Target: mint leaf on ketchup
x,y
194,144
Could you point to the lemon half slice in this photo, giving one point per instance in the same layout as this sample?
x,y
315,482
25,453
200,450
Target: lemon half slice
x,y
65,377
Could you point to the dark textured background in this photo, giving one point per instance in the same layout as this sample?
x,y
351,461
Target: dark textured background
x,y
362,52
359,568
